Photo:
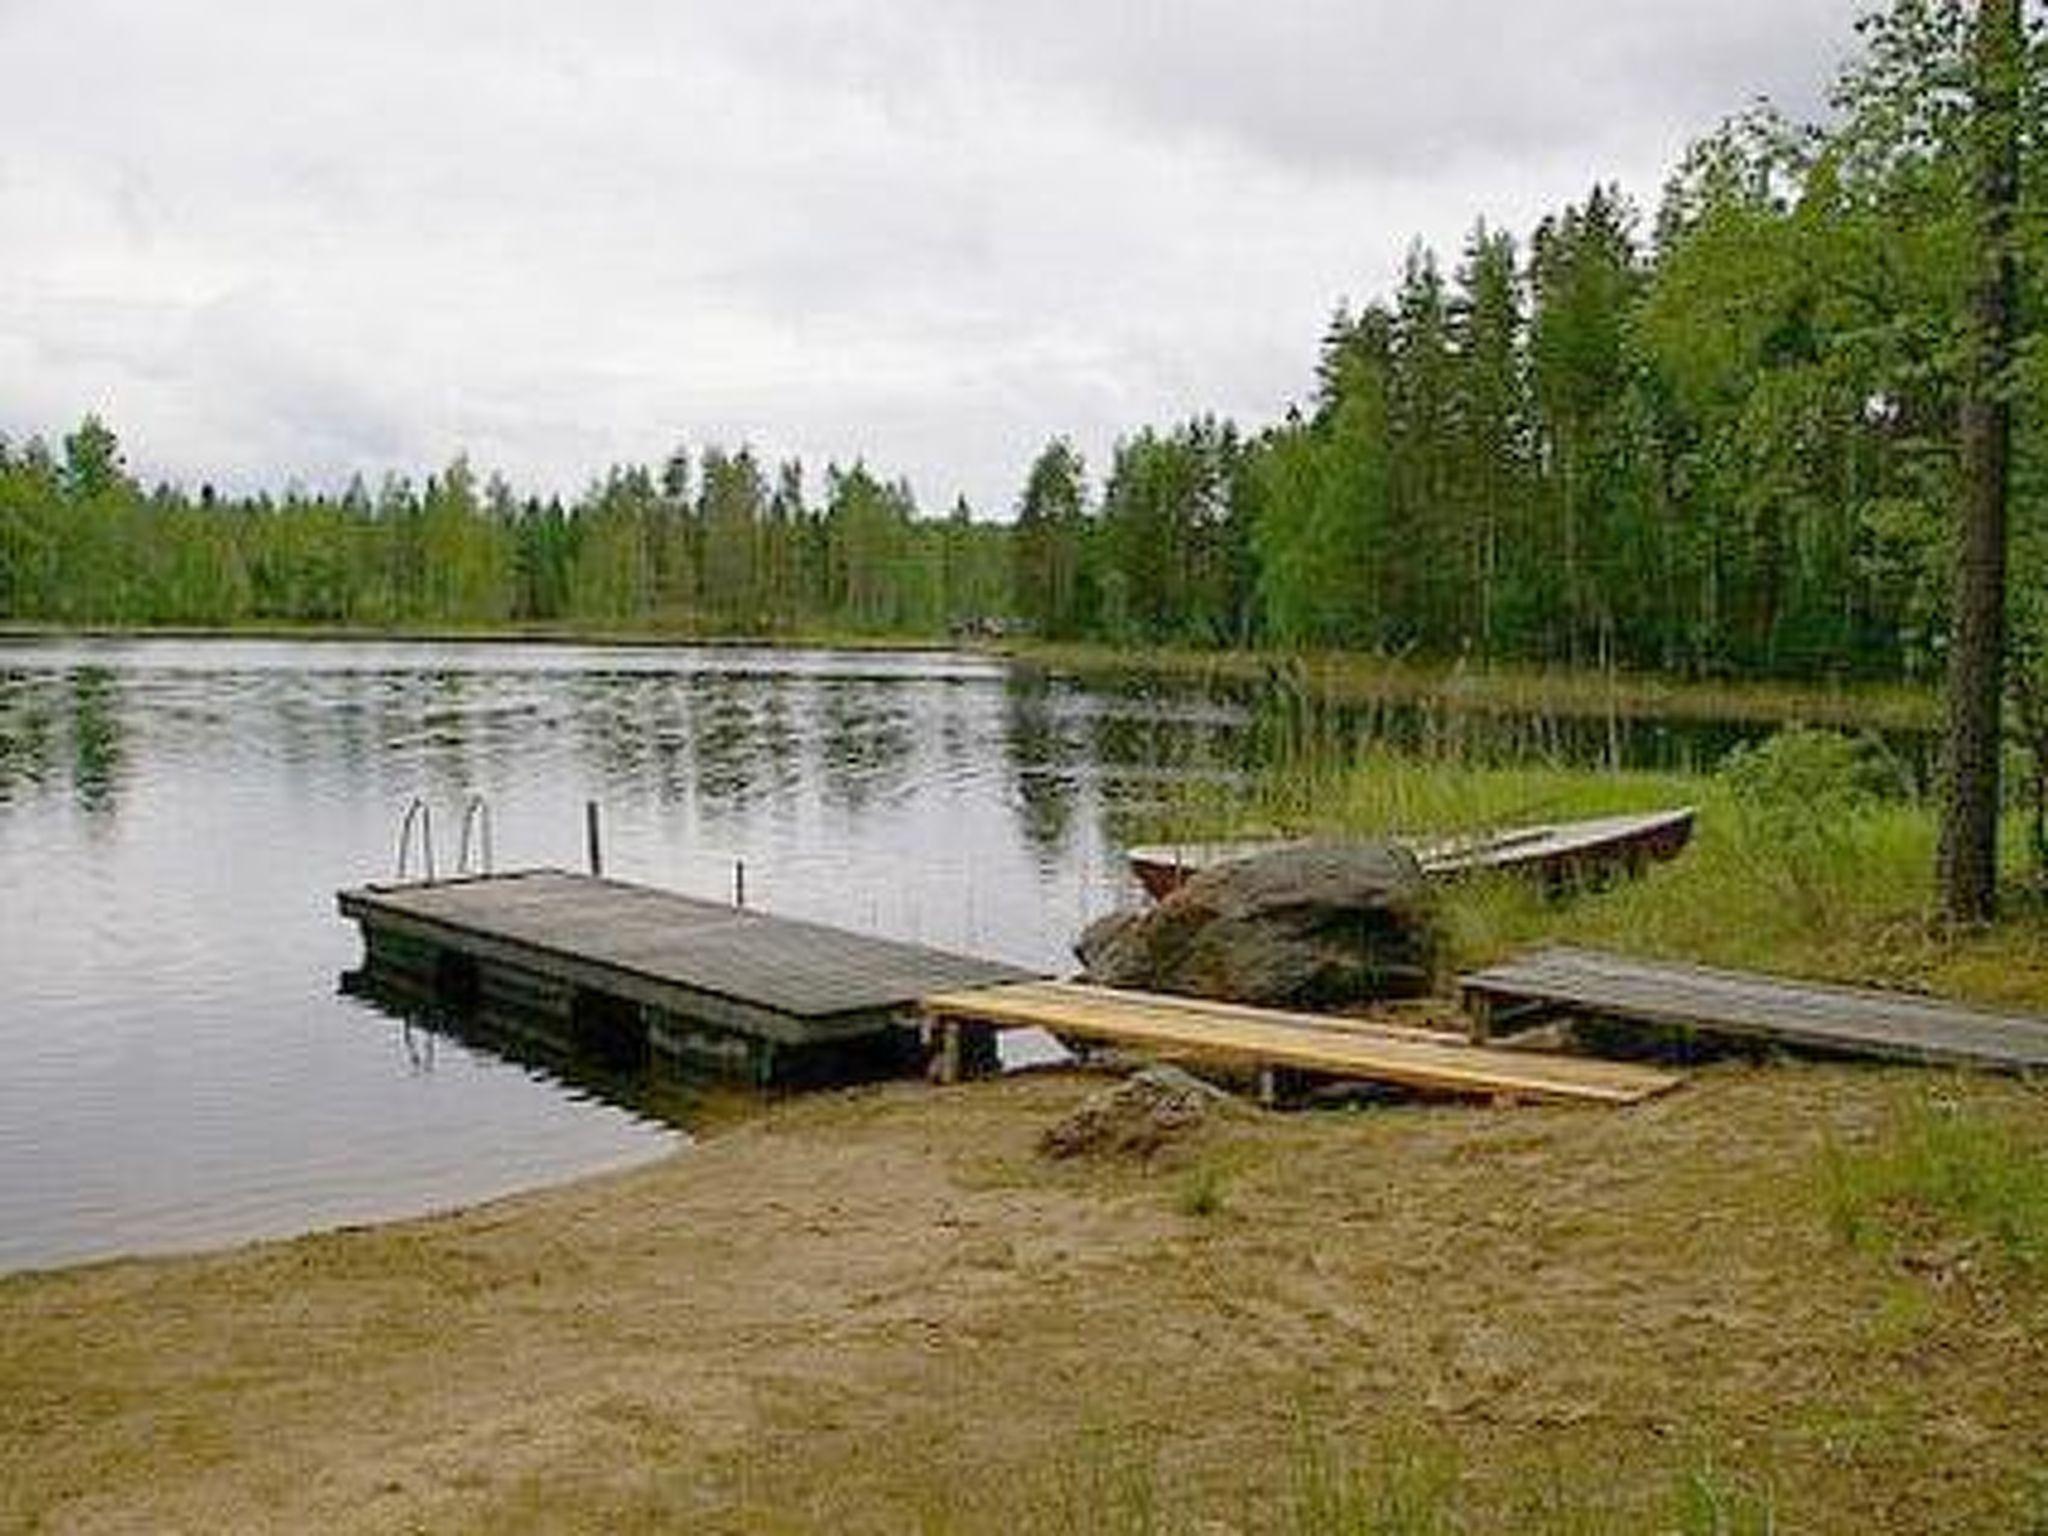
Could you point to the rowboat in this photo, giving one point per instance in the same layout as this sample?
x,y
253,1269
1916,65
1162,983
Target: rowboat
x,y
1556,853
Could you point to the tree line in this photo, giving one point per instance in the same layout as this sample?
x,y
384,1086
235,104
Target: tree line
x,y
713,542
1716,439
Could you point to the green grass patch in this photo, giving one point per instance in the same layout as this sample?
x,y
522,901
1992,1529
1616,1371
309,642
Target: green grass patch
x,y
1406,1487
1398,1482
1712,1501
1202,1189
1810,857
1501,688
1945,1185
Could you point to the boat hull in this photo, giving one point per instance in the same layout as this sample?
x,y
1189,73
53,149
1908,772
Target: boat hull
x,y
1559,854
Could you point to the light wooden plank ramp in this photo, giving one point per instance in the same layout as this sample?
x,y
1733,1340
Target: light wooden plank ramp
x,y
1264,1037
1862,1020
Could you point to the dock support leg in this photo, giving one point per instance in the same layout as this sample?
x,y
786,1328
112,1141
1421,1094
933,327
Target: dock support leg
x,y
1478,1009
1487,1015
979,1055
965,1050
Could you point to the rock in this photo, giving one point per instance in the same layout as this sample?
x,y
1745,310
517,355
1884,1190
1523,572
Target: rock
x,y
1315,926
1137,1116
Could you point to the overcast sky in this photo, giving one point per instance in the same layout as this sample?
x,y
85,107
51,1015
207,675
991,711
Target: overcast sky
x,y
273,240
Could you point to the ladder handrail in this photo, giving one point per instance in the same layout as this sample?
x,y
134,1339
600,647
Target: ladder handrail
x,y
417,811
476,812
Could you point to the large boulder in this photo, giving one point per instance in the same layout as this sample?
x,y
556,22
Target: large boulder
x,y
1307,926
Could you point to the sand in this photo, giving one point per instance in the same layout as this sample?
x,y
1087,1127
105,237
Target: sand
x,y
883,1310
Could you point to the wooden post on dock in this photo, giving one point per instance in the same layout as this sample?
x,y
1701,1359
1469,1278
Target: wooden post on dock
x,y
591,838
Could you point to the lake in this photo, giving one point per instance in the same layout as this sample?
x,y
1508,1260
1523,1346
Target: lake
x,y
181,1065
181,1068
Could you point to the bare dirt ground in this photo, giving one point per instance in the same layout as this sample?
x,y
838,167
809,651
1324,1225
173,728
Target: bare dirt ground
x,y
883,1310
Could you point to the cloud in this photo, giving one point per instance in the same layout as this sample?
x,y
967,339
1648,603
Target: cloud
x,y
1325,85
281,241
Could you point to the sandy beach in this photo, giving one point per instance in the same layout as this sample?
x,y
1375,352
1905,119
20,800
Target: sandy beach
x,y
884,1310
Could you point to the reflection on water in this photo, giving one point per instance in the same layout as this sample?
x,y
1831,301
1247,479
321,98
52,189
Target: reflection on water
x,y
175,817
26,729
1045,760
95,738
649,1090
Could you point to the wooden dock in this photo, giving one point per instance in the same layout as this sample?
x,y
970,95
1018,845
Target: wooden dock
x,y
1269,1038
627,967
1894,1025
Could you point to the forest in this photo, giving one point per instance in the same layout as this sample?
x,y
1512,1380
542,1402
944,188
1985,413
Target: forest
x,y
1715,438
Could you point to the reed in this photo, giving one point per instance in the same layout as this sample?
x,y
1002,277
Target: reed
x,y
1352,677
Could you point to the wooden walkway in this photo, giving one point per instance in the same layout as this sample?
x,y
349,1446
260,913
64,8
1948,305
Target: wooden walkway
x,y
565,940
1896,1025
1263,1037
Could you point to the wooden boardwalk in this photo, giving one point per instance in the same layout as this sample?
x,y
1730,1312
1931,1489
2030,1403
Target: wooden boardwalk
x,y
1264,1037
568,942
1895,1025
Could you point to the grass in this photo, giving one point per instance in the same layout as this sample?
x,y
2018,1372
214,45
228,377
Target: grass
x,y
1202,1190
1711,1501
1402,1481
1349,677
1408,1486
1945,1187
1808,859
1109,1480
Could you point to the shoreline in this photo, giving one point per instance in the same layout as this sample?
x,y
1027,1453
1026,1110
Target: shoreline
x,y
882,1308
650,639
227,1244
1331,677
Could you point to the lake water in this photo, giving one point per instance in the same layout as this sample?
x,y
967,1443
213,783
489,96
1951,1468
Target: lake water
x,y
178,1064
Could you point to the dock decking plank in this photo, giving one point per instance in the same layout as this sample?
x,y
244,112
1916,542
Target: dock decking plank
x,y
585,928
1893,1024
1269,1037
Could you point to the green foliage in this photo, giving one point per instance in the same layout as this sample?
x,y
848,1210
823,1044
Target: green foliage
x,y
1801,799
1723,450
92,462
1322,494
1172,537
1049,550
1811,774
712,545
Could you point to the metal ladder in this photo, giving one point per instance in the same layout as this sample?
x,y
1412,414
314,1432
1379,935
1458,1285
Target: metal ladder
x,y
475,855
